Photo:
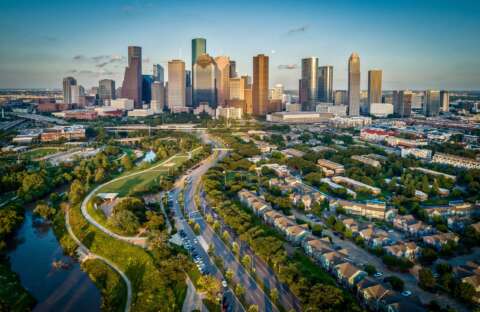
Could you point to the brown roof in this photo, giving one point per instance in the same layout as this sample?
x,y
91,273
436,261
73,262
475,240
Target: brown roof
x,y
347,269
376,291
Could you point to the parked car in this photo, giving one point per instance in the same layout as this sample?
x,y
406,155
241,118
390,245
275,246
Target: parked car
x,y
406,293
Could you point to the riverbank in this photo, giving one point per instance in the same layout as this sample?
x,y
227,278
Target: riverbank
x,y
13,296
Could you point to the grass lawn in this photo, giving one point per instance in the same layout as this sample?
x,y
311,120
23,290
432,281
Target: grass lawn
x,y
150,289
40,152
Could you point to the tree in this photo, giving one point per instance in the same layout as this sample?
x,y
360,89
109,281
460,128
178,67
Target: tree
x,y
465,292
196,228
125,220
43,210
216,226
253,308
235,249
426,279
370,269
229,275
323,297
239,290
274,295
428,255
226,236
246,261
155,221
126,162
77,191
210,285
99,175
396,283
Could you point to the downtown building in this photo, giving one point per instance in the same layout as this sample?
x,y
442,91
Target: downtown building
x,y
106,90
325,84
205,81
260,85
354,85
176,99
68,82
132,82
374,87
402,103
308,84
431,103
223,79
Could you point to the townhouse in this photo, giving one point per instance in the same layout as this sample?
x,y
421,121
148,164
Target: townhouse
x,y
408,250
348,274
439,240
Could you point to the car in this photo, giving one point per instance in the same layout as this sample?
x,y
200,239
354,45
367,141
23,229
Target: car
x,y
390,231
195,241
406,293
224,284
378,274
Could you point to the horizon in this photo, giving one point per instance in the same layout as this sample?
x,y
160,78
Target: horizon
x,y
432,49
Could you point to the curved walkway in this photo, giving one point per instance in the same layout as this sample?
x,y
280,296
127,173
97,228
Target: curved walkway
x,y
91,255
136,240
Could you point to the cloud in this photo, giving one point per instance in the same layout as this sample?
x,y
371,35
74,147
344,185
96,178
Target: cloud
x,y
288,66
99,61
300,29
79,57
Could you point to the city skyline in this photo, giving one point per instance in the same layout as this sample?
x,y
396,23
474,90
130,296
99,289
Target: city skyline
x,y
412,55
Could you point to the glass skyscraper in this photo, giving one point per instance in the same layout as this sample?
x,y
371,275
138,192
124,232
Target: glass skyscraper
x,y
325,84
204,81
354,85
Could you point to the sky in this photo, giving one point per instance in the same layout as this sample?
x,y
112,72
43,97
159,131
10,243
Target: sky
x,y
419,44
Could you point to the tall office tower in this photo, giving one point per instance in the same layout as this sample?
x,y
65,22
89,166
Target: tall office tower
x,y
132,82
325,84
158,73
176,85
444,101
188,88
309,83
431,103
341,97
204,81
354,85
147,81
248,100
233,69
68,82
276,94
374,86
106,90
237,88
260,85
158,97
223,79
76,91
199,47
402,103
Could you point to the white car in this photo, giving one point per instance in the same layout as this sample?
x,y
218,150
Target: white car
x,y
406,293
224,284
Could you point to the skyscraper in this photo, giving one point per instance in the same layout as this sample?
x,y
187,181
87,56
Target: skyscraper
x,y
76,91
374,86
176,85
237,88
188,88
260,85
68,82
354,85
199,47
402,103
132,82
431,105
223,79
444,101
158,97
204,81
158,73
147,81
106,90
325,84
341,97
309,81
233,69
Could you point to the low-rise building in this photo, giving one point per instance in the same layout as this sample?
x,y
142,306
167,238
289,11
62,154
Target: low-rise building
x,y
439,240
328,165
416,152
456,161
370,209
348,274
434,173
68,133
356,185
408,250
367,161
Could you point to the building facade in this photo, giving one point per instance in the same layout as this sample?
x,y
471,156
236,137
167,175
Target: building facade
x,y
223,79
260,85
158,73
374,86
325,84
158,97
204,81
106,90
431,105
354,85
132,81
176,85
68,82
309,81
444,101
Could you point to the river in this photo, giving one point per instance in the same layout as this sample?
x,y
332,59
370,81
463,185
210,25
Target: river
x,y
67,289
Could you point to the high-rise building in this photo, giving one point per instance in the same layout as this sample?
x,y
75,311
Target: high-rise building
x,y
199,47
431,103
158,73
176,85
354,85
76,92
444,101
309,81
248,100
204,81
188,88
132,81
374,86
106,90
158,97
223,79
260,85
233,69
276,94
147,81
68,82
325,84
402,103
341,97
237,88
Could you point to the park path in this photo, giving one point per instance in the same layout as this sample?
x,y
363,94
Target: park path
x,y
90,255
